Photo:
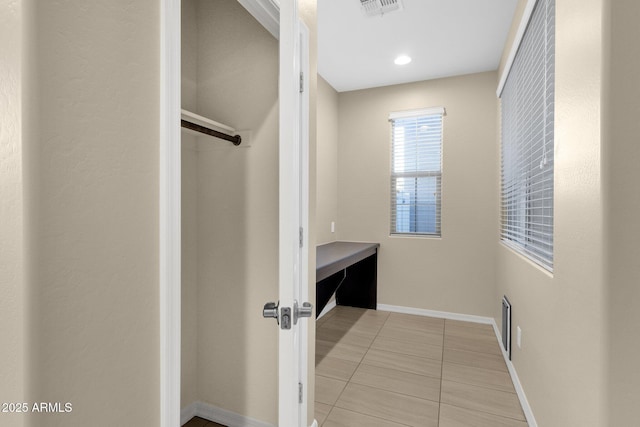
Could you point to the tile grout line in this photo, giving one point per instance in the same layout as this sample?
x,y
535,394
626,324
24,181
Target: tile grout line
x,y
506,417
476,351
360,362
357,367
404,372
481,386
476,367
378,417
349,381
396,392
409,354
476,385
399,370
444,333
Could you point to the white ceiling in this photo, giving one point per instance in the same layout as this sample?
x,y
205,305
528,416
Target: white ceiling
x,y
443,37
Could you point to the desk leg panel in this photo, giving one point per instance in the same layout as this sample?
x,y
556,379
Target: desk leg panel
x,y
360,288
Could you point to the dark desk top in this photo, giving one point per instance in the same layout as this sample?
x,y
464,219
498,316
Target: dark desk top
x,y
336,256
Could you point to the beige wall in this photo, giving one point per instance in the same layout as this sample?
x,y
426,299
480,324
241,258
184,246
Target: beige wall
x,y
91,174
189,325
12,279
621,157
455,273
327,165
189,267
562,363
327,162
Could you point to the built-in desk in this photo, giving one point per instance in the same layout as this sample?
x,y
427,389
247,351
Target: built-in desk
x,y
350,269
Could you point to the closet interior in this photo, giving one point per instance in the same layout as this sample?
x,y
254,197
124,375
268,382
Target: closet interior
x,y
229,213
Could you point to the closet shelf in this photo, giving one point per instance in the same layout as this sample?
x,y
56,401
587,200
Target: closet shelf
x,y
210,127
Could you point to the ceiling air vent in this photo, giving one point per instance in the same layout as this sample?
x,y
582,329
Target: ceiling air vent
x,y
379,7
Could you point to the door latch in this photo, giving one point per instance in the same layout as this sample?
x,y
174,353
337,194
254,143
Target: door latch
x,y
305,311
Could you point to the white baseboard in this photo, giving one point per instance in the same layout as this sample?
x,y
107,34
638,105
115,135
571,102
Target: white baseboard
x,y
188,412
314,424
526,408
433,313
327,308
219,415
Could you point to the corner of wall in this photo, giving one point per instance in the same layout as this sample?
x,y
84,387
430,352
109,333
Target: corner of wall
x,y
620,157
13,263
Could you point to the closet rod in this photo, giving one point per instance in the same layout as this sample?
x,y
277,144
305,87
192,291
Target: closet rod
x,y
235,139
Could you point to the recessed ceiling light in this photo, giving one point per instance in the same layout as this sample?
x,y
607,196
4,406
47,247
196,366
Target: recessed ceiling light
x,y
402,60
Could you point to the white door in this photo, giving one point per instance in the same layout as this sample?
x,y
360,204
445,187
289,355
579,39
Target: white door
x,y
293,309
304,217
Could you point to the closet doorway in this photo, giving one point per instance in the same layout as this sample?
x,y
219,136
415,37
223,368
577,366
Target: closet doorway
x,y
240,213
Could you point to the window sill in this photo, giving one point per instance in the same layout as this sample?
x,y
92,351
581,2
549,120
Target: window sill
x,y
415,236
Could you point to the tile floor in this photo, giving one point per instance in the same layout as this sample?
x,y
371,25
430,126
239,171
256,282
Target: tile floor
x,y
381,369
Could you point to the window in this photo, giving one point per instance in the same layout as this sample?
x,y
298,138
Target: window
x,y
416,171
527,103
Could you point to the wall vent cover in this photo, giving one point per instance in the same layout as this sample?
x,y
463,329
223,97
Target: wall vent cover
x,y
379,7
506,325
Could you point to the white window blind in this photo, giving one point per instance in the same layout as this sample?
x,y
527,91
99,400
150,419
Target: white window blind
x,y
527,103
416,171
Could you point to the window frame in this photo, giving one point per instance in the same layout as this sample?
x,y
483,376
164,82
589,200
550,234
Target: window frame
x,y
394,176
527,194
